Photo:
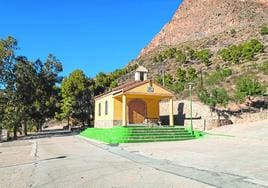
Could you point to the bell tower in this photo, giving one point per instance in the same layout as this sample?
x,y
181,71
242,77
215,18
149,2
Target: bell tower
x,y
141,74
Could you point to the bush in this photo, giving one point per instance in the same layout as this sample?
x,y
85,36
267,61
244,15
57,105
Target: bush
x,y
226,72
166,54
249,87
191,74
159,58
214,97
264,30
168,80
264,67
181,75
190,53
218,76
113,84
177,87
170,53
204,56
243,52
239,97
180,56
232,32
188,75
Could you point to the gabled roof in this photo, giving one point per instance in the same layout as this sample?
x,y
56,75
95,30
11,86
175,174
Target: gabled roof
x,y
141,69
129,86
124,87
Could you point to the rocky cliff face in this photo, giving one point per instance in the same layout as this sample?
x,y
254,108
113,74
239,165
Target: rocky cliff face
x,y
198,19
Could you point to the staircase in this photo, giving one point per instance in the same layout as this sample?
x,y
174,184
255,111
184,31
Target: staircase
x,y
155,134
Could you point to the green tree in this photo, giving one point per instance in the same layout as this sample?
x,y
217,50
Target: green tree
x,y
7,84
47,93
113,84
2,108
102,83
246,87
7,55
24,92
77,92
28,90
213,98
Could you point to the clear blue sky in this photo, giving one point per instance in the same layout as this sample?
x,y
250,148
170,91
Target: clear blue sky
x,y
92,35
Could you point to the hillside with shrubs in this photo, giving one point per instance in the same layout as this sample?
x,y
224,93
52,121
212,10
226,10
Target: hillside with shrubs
x,y
219,46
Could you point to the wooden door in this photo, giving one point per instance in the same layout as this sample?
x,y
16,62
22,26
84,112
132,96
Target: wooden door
x,y
137,111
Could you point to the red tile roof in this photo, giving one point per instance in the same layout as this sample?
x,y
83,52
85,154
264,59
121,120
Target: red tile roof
x,y
125,87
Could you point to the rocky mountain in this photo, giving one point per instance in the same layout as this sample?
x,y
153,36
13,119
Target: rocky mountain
x,y
212,43
199,19
221,46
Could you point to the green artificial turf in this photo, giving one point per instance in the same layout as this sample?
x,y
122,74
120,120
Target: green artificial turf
x,y
196,134
108,135
120,134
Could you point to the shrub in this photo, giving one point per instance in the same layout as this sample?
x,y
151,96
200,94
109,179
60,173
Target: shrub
x,y
178,87
180,56
170,53
226,72
232,31
239,97
113,84
264,67
166,54
264,30
159,58
218,76
243,52
204,56
168,80
249,87
214,97
191,74
190,53
181,75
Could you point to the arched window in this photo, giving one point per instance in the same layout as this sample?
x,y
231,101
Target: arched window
x,y
106,107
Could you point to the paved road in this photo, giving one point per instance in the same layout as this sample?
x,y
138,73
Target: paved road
x,y
230,156
222,160
71,161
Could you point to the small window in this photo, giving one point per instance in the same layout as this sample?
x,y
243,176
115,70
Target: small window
x,y
106,107
99,109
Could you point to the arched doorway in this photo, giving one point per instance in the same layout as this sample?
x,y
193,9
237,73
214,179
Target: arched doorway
x,y
137,111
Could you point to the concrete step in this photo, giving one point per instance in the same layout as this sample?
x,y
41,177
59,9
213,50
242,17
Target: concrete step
x,y
157,137
157,133
153,140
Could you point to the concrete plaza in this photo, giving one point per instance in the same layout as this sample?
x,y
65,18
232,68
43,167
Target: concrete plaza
x,y
231,156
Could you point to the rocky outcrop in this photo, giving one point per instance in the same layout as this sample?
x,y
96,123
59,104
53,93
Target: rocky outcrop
x,y
198,19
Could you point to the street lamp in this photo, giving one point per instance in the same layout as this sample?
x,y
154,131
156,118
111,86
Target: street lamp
x,y
191,106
